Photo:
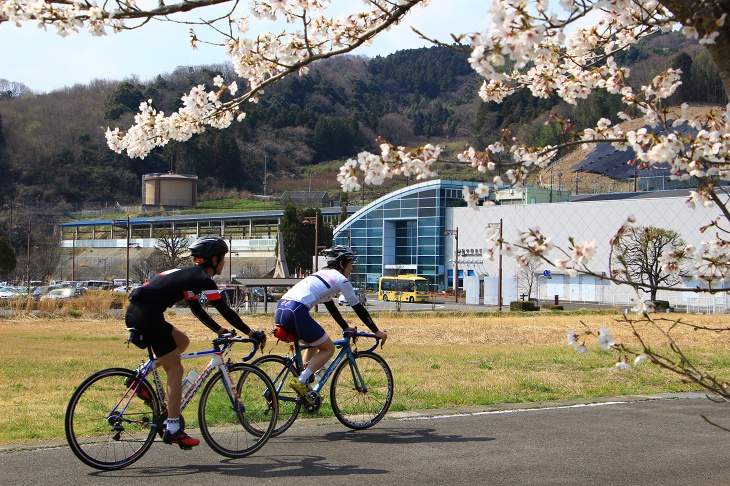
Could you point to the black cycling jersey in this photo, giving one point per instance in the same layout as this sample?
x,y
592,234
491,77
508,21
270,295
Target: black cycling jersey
x,y
172,286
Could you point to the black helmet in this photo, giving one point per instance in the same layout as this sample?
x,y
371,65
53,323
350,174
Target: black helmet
x,y
339,253
204,249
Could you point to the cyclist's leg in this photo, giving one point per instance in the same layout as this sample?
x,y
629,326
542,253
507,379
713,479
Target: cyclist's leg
x,y
317,356
175,434
173,368
309,331
168,342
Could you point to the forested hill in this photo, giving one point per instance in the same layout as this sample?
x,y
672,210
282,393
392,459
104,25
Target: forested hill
x,y
52,146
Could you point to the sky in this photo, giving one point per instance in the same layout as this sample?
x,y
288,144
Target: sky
x,y
45,61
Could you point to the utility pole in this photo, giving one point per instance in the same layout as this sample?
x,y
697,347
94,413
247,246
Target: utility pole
x,y
499,287
27,262
455,234
264,173
73,258
126,284
499,274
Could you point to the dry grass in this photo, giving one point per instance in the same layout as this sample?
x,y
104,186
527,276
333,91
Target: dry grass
x,y
95,303
437,360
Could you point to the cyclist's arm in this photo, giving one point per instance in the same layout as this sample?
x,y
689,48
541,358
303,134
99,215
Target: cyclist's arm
x,y
335,312
230,315
364,316
203,316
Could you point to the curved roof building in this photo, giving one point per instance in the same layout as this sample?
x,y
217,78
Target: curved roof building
x,y
403,232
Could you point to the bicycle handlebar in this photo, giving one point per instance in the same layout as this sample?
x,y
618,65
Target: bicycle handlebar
x,y
347,334
228,339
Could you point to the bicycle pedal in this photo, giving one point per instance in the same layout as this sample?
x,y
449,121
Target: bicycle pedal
x,y
185,448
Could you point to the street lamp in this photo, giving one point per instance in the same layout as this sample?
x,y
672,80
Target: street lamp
x,y
125,224
499,277
126,275
27,262
230,260
73,258
455,233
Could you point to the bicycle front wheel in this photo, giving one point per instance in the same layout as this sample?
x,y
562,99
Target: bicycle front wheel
x,y
279,369
361,391
108,426
237,426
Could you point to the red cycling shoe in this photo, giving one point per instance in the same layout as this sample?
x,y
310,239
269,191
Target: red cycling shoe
x,y
180,438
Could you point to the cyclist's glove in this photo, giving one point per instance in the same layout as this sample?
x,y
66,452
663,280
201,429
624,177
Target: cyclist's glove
x,y
260,337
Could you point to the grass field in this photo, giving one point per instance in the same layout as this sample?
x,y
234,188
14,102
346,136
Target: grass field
x,y
438,360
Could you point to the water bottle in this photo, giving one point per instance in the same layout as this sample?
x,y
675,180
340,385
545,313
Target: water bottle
x,y
188,381
320,373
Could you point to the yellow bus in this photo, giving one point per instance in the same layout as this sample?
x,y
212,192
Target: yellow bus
x,y
406,288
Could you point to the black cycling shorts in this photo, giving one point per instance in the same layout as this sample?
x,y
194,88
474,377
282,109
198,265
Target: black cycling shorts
x,y
156,330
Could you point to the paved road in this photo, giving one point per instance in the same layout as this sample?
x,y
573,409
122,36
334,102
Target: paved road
x,y
640,441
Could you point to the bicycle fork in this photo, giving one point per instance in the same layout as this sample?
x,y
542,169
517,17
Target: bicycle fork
x,y
357,380
233,395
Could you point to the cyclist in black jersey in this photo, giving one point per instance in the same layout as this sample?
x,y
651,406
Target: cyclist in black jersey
x,y
146,312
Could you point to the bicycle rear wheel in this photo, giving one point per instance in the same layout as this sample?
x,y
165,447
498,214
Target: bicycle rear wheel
x,y
108,426
279,370
361,392
236,428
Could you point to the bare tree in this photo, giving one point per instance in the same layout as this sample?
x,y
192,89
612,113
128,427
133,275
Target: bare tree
x,y
248,270
527,278
12,89
637,256
173,251
142,270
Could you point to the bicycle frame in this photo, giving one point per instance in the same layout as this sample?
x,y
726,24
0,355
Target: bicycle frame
x,y
221,348
345,351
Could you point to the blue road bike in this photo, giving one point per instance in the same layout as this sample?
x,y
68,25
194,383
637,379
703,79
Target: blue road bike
x,y
361,390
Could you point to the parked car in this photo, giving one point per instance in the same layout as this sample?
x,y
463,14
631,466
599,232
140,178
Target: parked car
x,y
257,294
39,292
62,293
341,300
123,288
7,293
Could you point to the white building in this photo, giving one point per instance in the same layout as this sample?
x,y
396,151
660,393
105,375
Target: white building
x,y
598,220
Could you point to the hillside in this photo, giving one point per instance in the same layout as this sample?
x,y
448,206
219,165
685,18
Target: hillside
x,y
565,177
52,146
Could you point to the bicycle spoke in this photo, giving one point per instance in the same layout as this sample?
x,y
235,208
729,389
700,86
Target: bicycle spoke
x,y
361,394
277,368
233,427
103,431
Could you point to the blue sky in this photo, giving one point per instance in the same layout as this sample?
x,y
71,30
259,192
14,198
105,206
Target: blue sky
x,y
44,61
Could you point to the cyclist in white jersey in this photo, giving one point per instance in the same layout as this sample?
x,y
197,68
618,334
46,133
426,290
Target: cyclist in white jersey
x,y
292,311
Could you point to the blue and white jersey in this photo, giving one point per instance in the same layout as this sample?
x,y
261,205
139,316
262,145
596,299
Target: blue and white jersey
x,y
320,287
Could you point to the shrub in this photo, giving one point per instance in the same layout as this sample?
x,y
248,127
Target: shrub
x,y
524,306
557,308
75,313
661,304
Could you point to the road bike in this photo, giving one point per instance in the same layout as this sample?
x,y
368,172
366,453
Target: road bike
x,y
114,415
362,383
